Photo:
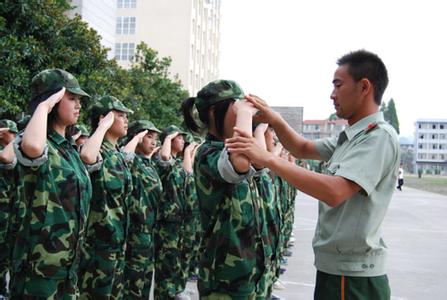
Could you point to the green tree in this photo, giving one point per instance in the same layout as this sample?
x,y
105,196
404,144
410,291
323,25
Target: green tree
x,y
153,94
390,114
333,117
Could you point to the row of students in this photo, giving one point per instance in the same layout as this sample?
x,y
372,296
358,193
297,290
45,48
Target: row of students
x,y
84,222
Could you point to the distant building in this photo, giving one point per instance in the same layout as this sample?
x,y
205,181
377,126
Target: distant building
x,y
293,115
188,31
101,16
430,146
318,129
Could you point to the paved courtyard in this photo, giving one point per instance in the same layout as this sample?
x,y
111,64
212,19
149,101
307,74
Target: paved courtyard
x,y
415,231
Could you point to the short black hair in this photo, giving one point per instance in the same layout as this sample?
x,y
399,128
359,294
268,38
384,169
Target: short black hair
x,y
364,64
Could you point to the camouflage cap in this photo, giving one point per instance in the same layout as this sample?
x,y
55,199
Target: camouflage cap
x,y
170,130
140,125
189,138
107,103
11,125
84,131
217,91
55,79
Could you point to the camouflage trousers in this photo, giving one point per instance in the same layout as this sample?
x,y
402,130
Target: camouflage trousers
x,y
101,274
189,244
138,271
25,285
168,260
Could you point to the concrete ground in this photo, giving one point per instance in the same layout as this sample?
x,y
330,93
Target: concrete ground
x,y
415,230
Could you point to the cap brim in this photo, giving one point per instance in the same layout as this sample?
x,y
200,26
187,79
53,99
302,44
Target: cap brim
x,y
78,91
154,129
124,109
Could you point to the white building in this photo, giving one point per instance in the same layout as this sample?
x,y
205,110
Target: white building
x,y
431,145
185,30
101,16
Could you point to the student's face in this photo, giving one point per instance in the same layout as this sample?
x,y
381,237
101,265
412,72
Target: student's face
x,y
69,108
120,124
346,93
178,143
149,141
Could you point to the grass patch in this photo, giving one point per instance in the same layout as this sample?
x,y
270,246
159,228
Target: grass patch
x,y
429,183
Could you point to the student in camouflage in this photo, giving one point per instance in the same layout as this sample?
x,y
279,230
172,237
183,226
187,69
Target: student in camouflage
x,y
232,259
8,131
170,217
146,194
191,223
54,190
102,264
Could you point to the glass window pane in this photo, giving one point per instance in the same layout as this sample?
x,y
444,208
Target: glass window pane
x,y
118,51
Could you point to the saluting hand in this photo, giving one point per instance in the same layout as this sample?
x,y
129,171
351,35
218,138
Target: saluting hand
x,y
106,122
53,99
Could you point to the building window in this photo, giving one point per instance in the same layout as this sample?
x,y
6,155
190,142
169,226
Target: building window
x,y
441,126
420,146
435,146
420,126
421,136
124,51
434,136
125,25
433,126
127,3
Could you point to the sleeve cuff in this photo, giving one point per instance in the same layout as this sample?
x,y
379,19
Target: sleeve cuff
x,y
29,162
9,166
96,165
227,172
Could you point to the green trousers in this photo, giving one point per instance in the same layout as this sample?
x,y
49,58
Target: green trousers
x,y
339,287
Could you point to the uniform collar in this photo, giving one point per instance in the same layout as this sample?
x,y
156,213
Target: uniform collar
x,y
57,138
363,124
108,145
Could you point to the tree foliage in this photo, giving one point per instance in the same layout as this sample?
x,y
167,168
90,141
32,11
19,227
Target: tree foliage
x,y
37,35
390,114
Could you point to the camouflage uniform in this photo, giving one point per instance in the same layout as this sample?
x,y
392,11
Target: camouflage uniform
x,y
102,264
146,194
53,193
232,252
271,230
170,227
7,187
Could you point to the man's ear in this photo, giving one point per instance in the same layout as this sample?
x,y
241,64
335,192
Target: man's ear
x,y
366,85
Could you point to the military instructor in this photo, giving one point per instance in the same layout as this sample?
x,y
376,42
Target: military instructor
x,y
354,192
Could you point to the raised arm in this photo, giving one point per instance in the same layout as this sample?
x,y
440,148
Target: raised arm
x,y
35,134
90,150
244,119
165,152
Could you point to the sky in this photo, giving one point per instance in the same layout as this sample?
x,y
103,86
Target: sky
x,y
285,51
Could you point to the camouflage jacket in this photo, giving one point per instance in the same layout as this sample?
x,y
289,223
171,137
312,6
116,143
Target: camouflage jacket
x,y
146,194
232,256
108,220
54,191
173,207
270,212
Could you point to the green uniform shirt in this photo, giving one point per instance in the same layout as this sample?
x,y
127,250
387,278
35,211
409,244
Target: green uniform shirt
x,y
348,237
54,191
146,194
109,217
232,256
